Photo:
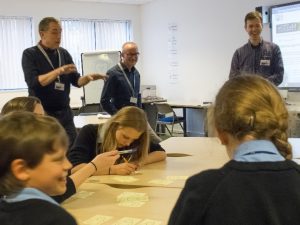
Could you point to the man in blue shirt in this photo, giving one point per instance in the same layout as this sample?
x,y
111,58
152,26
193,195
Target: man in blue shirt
x,y
123,84
257,56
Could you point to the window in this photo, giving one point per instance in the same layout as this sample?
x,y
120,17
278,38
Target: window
x,y
79,35
16,34
84,35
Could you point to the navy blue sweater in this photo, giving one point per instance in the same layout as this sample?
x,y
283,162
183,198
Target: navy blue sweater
x,y
34,212
241,193
34,63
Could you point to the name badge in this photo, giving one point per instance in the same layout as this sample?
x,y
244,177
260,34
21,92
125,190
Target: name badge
x,y
133,100
59,86
265,62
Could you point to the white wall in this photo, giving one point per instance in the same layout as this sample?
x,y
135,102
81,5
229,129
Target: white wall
x,y
38,9
208,34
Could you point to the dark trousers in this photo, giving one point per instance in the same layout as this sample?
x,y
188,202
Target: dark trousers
x,y
65,117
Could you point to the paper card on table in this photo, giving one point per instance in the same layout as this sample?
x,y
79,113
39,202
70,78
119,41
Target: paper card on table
x,y
125,179
177,177
150,222
97,220
131,204
83,194
132,199
161,182
127,221
103,115
137,172
93,180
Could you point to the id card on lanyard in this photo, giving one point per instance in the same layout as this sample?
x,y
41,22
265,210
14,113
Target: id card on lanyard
x,y
265,62
133,99
58,84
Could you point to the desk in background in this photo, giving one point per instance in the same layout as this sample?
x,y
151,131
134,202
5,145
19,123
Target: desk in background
x,y
91,118
195,117
82,120
152,99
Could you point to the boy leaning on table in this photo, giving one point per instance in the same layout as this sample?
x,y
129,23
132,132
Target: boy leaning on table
x,y
33,166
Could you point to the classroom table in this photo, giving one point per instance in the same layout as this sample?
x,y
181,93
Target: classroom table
x,y
186,156
149,194
82,120
147,197
96,203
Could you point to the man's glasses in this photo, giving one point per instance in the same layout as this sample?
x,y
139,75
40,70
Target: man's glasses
x,y
132,54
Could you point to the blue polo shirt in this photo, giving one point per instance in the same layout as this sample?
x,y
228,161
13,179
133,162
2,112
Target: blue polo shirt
x,y
29,193
257,151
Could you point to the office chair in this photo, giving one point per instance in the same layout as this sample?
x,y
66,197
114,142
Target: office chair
x,y
166,116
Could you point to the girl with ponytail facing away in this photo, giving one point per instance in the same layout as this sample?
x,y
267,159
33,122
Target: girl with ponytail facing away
x,y
260,184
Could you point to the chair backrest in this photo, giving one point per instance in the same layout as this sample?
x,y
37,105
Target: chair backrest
x,y
151,112
164,108
91,108
166,116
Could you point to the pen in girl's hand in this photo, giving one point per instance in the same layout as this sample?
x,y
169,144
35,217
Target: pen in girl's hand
x,y
127,151
125,160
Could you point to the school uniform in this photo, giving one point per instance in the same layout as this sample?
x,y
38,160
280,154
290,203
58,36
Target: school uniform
x,y
257,187
32,207
88,145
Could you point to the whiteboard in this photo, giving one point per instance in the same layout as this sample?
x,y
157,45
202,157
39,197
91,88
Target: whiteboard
x,y
97,62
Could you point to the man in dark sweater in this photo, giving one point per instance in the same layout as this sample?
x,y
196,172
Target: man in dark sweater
x,y
122,87
49,72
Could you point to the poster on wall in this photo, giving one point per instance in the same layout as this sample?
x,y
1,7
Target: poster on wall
x,y
173,64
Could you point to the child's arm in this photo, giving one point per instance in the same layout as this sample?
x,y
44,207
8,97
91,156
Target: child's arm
x,y
99,165
156,153
155,156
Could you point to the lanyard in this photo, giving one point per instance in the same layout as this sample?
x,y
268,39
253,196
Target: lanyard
x,y
131,88
48,59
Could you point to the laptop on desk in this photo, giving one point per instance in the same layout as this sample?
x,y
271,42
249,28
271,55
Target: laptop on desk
x,y
151,99
148,93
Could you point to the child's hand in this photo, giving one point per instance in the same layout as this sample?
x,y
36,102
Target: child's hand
x,y
105,160
139,164
123,169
